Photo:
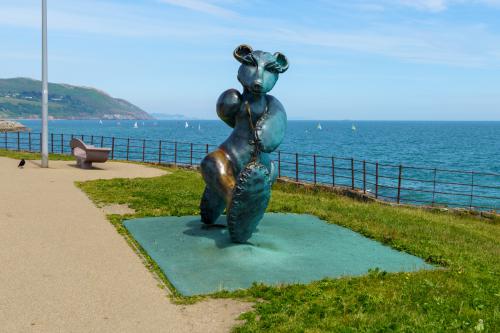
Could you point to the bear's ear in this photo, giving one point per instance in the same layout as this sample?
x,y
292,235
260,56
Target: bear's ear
x,y
241,52
282,61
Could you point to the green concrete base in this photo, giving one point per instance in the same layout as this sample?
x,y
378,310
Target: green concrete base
x,y
287,248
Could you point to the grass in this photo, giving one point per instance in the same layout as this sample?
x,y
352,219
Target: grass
x,y
463,297
18,155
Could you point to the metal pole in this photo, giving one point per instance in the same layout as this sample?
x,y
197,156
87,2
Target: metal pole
x,y
352,173
175,153
314,158
159,152
45,90
113,148
279,164
376,180
191,155
143,149
296,167
364,176
333,171
399,183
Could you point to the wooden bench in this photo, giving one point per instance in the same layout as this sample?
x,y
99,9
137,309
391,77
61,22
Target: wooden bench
x,y
86,154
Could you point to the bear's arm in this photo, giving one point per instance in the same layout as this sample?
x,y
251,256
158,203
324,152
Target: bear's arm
x,y
228,105
271,126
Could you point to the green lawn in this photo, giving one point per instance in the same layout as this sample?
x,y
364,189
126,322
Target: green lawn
x,y
33,156
462,297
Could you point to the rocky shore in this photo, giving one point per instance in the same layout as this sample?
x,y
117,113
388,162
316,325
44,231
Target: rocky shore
x,y
11,126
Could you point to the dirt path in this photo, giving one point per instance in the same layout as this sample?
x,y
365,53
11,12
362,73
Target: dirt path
x,y
64,268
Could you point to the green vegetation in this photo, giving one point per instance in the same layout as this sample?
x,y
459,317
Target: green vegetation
x,y
33,156
20,98
464,296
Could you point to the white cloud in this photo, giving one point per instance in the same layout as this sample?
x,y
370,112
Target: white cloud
x,y
429,5
202,6
436,6
439,43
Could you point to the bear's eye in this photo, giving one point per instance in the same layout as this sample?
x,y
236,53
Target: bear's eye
x,y
249,60
273,67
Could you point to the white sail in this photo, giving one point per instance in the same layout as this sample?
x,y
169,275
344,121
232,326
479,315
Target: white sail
x,y
186,125
319,127
100,122
135,125
199,127
353,127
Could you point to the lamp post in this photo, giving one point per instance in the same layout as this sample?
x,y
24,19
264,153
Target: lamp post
x,y
45,90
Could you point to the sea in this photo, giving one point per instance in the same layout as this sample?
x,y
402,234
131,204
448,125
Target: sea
x,y
457,145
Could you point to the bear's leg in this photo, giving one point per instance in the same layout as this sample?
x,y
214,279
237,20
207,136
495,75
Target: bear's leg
x,y
211,206
250,199
217,172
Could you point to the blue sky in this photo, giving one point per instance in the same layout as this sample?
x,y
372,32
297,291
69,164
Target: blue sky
x,y
373,60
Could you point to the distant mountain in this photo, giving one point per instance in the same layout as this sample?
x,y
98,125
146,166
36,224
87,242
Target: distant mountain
x,y
167,116
20,98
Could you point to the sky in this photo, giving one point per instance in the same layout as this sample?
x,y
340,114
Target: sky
x,y
357,60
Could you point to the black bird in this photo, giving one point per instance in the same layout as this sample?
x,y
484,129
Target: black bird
x,y
22,163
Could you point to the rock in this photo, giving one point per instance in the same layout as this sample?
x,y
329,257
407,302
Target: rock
x,y
11,126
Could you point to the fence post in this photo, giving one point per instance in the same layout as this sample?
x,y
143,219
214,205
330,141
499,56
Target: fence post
x,y
297,167
29,141
102,141
376,180
18,142
333,171
52,142
471,189
279,164
399,182
113,148
128,146
434,188
83,137
364,176
352,173
175,153
62,143
143,149
92,140
191,154
314,160
207,149
40,142
5,140
159,152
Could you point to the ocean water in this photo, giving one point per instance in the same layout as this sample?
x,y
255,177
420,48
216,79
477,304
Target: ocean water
x,y
449,145
465,146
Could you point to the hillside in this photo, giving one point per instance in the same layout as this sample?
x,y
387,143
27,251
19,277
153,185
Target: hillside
x,y
20,98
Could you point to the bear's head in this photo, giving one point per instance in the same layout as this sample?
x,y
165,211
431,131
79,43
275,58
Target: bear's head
x,y
259,70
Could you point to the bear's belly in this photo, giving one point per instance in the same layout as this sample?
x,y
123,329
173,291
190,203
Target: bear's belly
x,y
240,152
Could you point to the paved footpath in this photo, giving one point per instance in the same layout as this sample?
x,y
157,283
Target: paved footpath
x,y
64,268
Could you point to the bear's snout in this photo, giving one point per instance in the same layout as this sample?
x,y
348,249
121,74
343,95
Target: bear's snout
x,y
258,86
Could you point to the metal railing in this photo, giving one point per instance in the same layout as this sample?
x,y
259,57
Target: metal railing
x,y
389,182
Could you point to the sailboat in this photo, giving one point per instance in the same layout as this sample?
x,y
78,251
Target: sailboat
x,y
199,127
186,125
319,127
353,127
135,125
100,122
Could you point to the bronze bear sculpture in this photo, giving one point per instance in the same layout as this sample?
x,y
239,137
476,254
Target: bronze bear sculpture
x,y
240,173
